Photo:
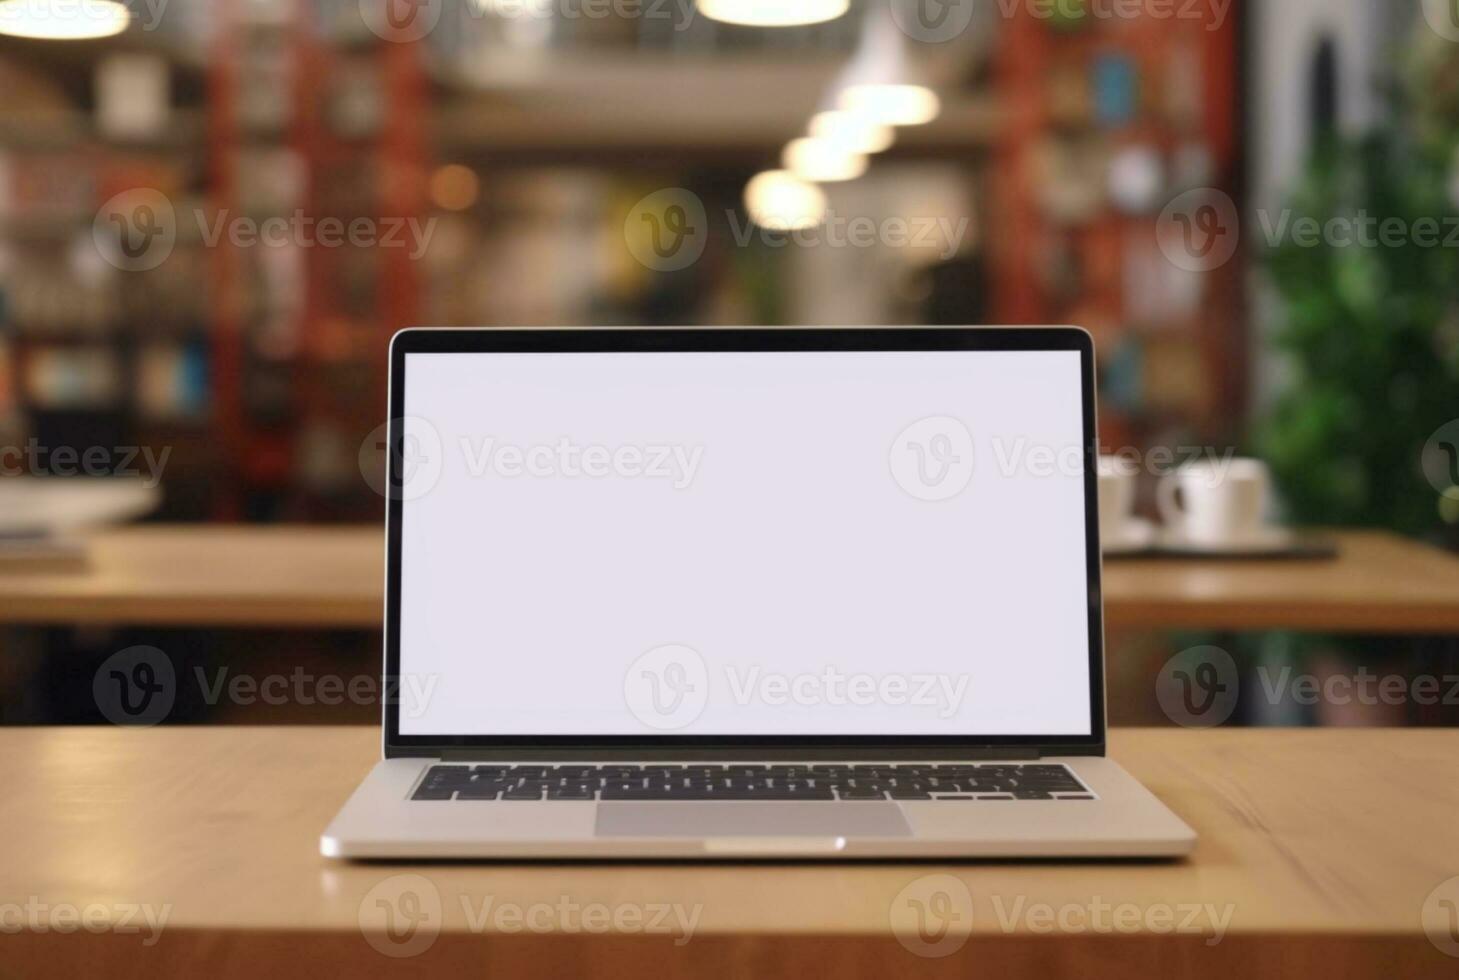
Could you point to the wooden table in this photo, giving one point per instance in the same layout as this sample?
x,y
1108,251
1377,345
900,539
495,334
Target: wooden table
x,y
281,576
1319,852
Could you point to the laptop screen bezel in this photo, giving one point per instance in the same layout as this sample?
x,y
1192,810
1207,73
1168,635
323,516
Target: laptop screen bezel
x,y
597,340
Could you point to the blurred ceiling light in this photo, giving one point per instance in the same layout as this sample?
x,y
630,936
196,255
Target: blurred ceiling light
x,y
454,187
63,20
822,162
855,133
893,105
780,201
773,13
880,83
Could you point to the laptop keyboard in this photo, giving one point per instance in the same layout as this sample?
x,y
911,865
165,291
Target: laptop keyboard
x,y
751,782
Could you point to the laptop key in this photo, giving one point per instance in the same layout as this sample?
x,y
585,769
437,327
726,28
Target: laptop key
x,y
529,772
618,772
441,774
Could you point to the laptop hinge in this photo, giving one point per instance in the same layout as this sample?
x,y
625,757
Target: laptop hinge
x,y
752,754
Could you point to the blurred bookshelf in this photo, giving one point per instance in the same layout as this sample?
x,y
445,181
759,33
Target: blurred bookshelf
x,y
1107,122
523,145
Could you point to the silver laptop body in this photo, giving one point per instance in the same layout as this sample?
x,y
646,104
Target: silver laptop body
x,y
745,594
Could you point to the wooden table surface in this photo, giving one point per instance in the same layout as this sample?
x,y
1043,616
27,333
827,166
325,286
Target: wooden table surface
x,y
1321,852
280,576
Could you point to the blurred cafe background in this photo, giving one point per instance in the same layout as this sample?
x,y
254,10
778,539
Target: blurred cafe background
x,y
213,216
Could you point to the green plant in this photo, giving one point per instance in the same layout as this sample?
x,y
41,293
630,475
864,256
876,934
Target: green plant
x,y
1369,317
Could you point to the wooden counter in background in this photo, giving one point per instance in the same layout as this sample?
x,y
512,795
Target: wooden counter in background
x,y
309,577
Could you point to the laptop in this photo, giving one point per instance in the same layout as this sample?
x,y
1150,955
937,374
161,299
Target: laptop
x,y
790,594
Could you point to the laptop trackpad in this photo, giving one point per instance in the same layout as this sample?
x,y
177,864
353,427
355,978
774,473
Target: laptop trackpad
x,y
736,818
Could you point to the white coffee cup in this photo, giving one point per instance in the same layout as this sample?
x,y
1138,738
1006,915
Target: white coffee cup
x,y
1118,482
1216,502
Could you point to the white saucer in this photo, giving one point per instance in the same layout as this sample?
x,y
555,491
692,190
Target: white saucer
x,y
1137,535
1263,541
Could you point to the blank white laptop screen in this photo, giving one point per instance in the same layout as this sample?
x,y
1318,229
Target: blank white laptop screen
x,y
819,543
